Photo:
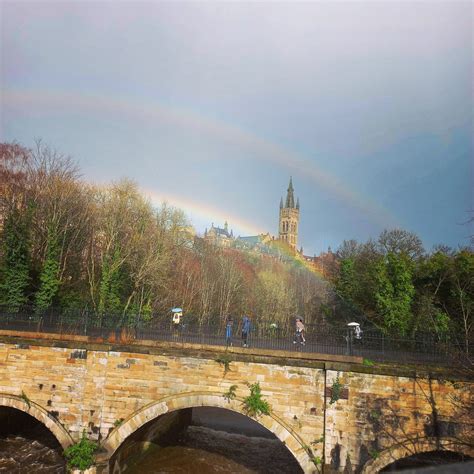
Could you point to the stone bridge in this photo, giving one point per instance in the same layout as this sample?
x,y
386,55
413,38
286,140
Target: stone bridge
x,y
343,414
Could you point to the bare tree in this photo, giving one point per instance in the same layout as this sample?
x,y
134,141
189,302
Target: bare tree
x,y
401,241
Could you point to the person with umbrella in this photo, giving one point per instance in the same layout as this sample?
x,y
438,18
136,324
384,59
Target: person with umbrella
x,y
299,332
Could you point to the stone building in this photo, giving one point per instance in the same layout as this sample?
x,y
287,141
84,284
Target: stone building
x,y
219,236
289,218
259,243
264,243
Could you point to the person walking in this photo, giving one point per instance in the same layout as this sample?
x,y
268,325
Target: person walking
x,y
245,330
299,332
228,331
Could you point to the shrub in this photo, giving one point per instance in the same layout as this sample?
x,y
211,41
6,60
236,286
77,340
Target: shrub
x,y
81,455
254,404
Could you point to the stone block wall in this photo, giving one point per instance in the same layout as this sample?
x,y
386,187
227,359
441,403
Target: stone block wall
x,y
111,393
391,415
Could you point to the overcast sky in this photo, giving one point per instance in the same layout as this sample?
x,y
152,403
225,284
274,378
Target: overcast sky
x,y
212,106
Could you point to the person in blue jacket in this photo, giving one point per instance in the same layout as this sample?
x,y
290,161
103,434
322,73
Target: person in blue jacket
x,y
245,330
228,330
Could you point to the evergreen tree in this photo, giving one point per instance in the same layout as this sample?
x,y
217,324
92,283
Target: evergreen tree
x,y
16,260
49,277
110,285
346,283
394,293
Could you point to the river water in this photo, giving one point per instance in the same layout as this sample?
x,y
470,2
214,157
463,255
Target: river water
x,y
199,450
207,451
217,441
20,455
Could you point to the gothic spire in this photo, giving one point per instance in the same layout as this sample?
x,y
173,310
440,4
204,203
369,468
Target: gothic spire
x,y
290,199
281,203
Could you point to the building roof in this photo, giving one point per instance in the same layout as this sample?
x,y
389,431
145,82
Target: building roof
x,y
251,239
290,198
221,232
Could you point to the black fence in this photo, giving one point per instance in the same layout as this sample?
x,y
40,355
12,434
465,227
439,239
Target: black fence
x,y
373,345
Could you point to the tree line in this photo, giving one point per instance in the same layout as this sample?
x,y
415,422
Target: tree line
x,y
69,244
405,290
66,243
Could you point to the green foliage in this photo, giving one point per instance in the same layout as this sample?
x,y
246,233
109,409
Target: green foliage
x,y
368,363
230,394
25,398
336,390
441,322
462,293
81,455
375,415
225,361
71,299
146,311
110,285
394,293
404,291
118,422
316,460
346,283
317,441
15,267
115,253
254,405
326,310
49,277
374,454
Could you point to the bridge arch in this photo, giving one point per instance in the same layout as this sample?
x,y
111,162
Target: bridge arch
x,y
403,450
39,413
205,399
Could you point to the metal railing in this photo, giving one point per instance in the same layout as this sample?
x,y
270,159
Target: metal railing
x,y
338,340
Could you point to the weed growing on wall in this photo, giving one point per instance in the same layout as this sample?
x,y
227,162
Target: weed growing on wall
x,y
254,404
374,454
225,361
25,398
317,441
336,390
81,455
230,394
